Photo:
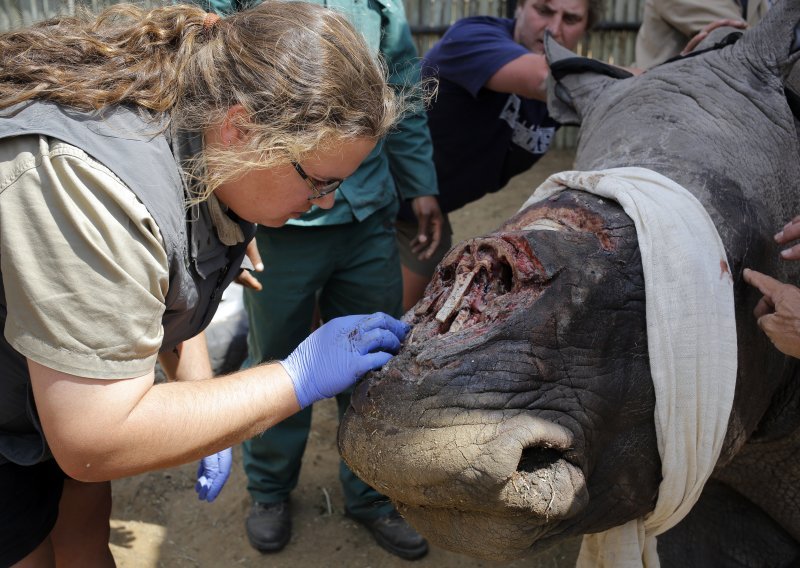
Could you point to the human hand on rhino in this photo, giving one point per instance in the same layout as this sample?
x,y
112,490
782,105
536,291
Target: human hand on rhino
x,y
708,28
790,232
778,311
338,353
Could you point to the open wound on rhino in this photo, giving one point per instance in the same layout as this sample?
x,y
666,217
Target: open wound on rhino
x,y
477,282
486,278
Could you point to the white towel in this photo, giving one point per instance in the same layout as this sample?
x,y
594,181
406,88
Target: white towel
x,y
691,336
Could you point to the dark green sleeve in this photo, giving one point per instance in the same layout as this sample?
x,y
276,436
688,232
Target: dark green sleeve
x,y
409,145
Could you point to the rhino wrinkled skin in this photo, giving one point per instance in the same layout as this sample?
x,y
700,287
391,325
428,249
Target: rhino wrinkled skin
x,y
520,410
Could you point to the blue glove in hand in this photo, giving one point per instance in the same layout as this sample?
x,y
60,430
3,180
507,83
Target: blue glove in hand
x,y
212,474
338,353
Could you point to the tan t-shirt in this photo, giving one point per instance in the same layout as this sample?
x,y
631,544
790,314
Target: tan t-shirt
x,y
83,262
668,25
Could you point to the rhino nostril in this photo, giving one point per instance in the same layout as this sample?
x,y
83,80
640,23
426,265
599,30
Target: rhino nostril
x,y
534,459
497,278
448,272
546,484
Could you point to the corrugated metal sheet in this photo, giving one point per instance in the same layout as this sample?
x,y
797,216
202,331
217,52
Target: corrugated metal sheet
x,y
611,41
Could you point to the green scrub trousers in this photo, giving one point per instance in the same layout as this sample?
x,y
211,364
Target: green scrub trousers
x,y
350,268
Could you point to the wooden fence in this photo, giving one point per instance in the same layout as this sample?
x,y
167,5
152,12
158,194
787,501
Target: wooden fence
x,y
612,40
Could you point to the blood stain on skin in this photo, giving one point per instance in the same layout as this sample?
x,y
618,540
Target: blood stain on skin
x,y
724,269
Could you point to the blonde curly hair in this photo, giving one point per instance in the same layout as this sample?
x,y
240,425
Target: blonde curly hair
x,y
303,75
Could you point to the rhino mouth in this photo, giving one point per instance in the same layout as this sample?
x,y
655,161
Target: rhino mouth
x,y
454,483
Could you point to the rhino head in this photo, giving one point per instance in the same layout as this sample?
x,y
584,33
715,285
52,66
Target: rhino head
x,y
478,428
520,410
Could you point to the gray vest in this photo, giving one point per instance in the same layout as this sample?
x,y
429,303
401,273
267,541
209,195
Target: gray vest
x,y
200,266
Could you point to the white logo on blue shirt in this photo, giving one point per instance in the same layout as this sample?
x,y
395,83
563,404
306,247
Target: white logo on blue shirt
x,y
535,139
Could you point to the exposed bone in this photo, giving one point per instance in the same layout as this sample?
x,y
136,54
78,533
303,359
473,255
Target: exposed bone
x,y
462,282
544,224
411,337
461,319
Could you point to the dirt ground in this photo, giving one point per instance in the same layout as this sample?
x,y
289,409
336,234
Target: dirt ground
x,y
157,519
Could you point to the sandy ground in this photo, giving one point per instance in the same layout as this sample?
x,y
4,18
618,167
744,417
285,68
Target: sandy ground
x,y
157,519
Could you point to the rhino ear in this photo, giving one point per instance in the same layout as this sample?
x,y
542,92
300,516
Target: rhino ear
x,y
575,82
776,38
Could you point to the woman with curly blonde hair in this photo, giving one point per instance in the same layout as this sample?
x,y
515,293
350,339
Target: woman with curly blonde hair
x,y
137,151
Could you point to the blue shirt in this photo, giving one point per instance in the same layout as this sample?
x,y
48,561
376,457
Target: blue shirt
x,y
402,163
481,138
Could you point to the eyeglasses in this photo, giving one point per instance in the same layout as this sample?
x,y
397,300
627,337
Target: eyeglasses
x,y
319,189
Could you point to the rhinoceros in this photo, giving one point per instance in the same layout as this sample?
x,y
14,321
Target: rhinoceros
x,y
520,410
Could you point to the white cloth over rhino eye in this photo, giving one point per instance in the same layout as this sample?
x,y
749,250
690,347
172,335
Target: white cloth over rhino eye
x,y
691,335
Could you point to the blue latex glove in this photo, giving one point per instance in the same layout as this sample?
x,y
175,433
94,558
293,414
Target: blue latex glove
x,y
212,474
340,352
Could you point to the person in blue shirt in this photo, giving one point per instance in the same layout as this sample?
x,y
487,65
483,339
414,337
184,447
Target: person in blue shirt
x,y
343,260
489,121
